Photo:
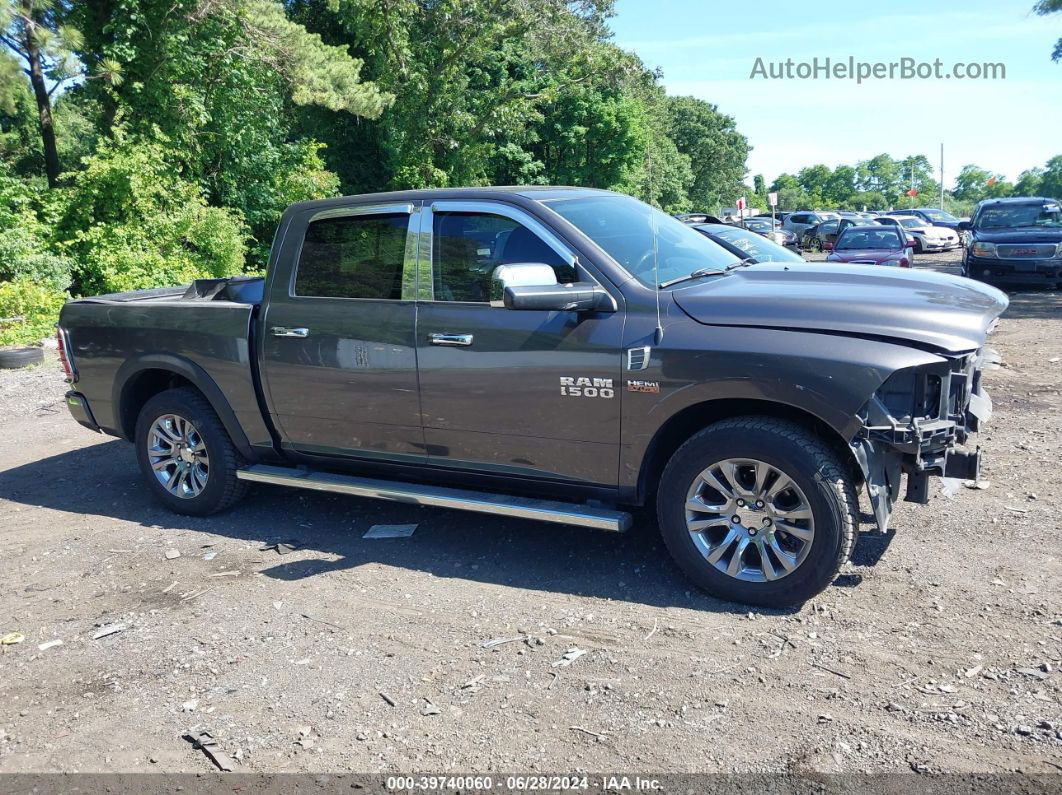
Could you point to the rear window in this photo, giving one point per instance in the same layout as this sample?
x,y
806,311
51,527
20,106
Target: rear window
x,y
853,239
355,256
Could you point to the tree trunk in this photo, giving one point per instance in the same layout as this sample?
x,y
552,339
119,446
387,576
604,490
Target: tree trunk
x,y
44,104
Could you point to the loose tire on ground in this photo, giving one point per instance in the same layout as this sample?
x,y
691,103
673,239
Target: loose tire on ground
x,y
222,489
782,447
12,358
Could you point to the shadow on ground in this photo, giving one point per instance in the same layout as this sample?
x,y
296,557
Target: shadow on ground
x,y
102,480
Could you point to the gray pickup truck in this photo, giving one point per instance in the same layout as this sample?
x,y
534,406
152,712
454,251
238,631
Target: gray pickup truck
x,y
560,354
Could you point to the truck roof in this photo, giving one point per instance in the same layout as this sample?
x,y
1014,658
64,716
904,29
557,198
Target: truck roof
x,y
538,192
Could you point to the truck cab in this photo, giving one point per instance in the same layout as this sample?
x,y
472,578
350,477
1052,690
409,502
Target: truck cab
x,y
1016,240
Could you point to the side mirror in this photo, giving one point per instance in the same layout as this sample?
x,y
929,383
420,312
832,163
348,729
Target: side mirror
x,y
529,285
576,297
964,226
827,246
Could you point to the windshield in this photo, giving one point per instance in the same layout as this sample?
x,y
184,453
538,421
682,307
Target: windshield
x,y
756,246
1017,216
856,239
911,223
940,215
624,227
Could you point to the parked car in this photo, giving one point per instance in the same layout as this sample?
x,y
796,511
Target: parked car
x,y
773,232
826,232
698,218
503,349
872,245
926,237
1015,240
933,216
800,222
747,243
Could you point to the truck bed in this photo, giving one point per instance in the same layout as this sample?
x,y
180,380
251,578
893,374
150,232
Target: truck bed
x,y
204,331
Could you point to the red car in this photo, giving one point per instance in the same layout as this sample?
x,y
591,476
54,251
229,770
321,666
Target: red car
x,y
872,245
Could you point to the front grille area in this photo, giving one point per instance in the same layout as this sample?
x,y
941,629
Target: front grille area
x,y
1026,250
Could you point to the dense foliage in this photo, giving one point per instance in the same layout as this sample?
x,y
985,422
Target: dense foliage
x,y
148,142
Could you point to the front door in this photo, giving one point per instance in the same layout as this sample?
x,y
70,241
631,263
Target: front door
x,y
339,352
533,393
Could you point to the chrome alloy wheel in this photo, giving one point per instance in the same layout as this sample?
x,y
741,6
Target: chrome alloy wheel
x,y
178,456
749,519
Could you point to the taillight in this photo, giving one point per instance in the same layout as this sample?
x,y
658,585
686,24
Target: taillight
x,y
905,263
64,356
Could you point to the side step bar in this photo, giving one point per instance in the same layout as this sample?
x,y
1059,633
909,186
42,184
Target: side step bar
x,y
440,496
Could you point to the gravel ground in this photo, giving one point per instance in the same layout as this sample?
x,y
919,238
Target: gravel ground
x,y
937,649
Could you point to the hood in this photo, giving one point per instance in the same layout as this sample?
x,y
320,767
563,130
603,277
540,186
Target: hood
x,y
948,313
1018,235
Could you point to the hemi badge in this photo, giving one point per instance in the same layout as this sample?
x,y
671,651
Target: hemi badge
x,y
643,386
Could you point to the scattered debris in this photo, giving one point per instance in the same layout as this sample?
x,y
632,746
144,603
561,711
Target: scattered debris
x,y
475,682
1016,510
390,531
970,673
977,484
311,618
596,735
11,638
193,594
49,644
206,743
831,670
232,573
651,632
281,547
388,699
172,554
570,656
490,644
110,629
170,587
429,708
189,706
210,555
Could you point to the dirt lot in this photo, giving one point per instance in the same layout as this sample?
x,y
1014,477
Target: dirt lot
x,y
937,649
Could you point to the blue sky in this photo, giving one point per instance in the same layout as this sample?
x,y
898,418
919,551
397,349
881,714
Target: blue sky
x,y
708,49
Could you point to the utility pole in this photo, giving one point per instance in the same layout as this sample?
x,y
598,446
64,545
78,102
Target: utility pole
x,y
942,177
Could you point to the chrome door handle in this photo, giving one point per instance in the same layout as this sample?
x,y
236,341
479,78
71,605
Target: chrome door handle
x,y
285,331
450,339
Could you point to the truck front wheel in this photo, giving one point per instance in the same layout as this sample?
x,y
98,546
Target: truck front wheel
x,y
758,510
185,454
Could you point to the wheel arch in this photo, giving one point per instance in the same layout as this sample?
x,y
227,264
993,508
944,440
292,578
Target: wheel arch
x,y
698,416
140,379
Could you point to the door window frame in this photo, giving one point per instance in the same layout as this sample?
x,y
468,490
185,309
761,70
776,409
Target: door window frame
x,y
425,242
409,259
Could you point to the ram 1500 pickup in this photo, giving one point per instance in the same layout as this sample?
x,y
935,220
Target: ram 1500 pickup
x,y
560,354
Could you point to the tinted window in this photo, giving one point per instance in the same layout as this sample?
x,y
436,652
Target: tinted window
x,y
1016,216
469,246
641,238
356,256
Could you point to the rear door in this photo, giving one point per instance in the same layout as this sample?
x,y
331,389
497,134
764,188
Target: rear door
x,y
338,348
531,393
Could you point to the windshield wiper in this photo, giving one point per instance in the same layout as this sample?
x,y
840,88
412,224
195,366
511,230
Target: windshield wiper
x,y
702,272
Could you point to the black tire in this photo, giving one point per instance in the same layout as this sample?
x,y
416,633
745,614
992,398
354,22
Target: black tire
x,y
222,488
811,465
918,249
12,358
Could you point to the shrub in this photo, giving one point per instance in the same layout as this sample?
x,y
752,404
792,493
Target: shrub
x,y
130,221
24,248
28,311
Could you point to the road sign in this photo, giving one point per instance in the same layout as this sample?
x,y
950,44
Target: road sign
x,y
741,203
772,199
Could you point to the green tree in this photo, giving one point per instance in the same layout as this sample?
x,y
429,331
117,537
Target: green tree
x,y
1043,8
881,174
717,151
840,185
1029,182
36,31
1051,181
975,183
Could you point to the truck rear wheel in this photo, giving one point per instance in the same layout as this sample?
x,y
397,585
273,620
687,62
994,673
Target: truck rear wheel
x,y
757,510
186,455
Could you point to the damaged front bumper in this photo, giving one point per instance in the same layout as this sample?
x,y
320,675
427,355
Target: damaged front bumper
x,y
919,424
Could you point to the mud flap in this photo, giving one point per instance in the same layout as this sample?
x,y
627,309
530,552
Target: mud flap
x,y
881,469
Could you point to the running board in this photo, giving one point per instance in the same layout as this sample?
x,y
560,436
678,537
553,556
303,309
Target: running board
x,y
442,497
